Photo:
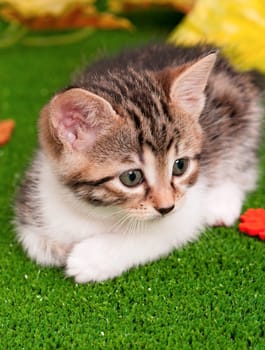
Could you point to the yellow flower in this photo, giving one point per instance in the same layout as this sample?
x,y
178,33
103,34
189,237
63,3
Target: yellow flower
x,y
237,26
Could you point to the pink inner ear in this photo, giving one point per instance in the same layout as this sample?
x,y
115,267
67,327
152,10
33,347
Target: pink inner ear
x,y
69,127
75,130
78,117
71,122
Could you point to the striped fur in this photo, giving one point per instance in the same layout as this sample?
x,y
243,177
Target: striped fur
x,y
143,110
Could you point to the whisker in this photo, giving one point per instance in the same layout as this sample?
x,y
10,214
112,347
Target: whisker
x,y
127,222
95,212
134,223
131,224
134,226
120,222
118,211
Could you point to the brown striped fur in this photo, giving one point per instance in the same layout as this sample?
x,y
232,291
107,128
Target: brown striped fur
x,y
136,122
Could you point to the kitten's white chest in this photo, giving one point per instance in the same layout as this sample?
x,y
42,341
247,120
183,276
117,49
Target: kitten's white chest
x,y
67,218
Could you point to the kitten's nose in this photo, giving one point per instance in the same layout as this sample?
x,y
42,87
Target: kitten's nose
x,y
164,211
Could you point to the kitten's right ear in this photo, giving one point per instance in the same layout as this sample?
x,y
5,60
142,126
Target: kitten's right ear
x,y
185,85
74,119
187,89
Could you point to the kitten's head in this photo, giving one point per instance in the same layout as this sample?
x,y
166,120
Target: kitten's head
x,y
132,140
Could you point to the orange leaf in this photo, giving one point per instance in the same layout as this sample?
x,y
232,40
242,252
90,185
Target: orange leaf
x,y
78,17
6,128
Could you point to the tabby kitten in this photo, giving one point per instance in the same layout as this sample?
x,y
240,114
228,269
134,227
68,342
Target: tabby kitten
x,y
137,157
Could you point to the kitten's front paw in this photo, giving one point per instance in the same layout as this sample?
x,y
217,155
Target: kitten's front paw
x,y
223,205
91,261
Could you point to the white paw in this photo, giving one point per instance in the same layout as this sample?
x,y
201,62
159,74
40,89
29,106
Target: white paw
x,y
92,261
223,205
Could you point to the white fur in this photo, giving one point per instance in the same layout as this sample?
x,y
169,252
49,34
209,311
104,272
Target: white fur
x,y
96,244
107,255
223,204
99,251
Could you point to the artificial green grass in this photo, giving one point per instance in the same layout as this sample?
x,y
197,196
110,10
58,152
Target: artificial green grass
x,y
208,295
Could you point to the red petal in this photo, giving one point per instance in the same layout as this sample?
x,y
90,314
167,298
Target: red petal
x,y
252,230
262,235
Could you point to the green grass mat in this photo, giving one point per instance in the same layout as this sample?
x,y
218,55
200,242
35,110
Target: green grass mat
x,y
209,295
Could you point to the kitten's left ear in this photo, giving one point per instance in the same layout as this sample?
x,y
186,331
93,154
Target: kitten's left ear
x,y
187,88
74,119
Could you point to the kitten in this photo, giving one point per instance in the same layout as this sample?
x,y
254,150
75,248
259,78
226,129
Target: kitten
x,y
137,157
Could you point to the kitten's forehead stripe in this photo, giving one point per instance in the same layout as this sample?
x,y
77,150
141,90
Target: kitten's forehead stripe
x,y
165,110
138,96
144,81
140,156
120,85
143,104
136,119
169,143
155,106
140,138
118,98
151,146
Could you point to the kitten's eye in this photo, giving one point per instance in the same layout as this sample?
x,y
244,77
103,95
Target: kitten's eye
x,y
132,178
180,166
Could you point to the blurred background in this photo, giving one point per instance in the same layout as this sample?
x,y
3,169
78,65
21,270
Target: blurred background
x,y
208,295
238,26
